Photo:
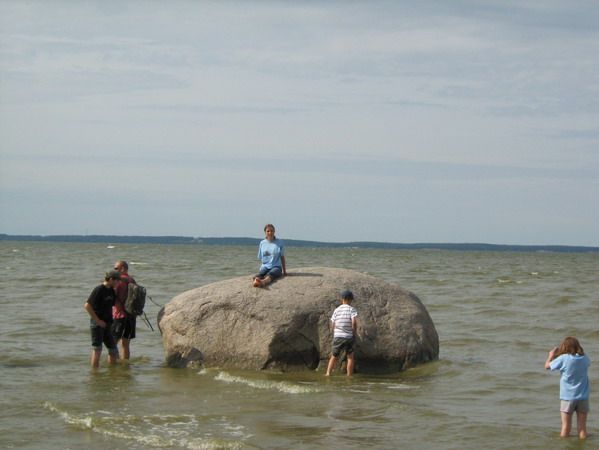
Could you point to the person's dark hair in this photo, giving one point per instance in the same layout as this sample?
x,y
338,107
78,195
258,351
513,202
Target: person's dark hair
x,y
112,275
123,264
570,346
347,295
269,225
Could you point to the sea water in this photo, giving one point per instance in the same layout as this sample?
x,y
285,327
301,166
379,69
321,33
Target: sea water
x,y
497,315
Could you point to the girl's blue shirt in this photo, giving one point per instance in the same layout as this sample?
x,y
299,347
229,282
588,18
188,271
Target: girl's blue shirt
x,y
270,253
574,382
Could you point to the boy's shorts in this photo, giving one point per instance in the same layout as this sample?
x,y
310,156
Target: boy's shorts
x,y
102,335
123,328
340,344
581,406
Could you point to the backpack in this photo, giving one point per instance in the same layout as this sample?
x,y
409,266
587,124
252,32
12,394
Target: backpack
x,y
136,299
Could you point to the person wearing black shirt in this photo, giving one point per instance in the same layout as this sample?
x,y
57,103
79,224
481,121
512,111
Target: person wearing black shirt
x,y
99,307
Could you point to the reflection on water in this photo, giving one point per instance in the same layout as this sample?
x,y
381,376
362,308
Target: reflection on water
x,y
497,314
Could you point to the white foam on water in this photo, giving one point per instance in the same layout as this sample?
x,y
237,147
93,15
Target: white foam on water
x,y
281,386
72,419
402,387
163,431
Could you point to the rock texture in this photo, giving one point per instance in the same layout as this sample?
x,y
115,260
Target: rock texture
x,y
285,326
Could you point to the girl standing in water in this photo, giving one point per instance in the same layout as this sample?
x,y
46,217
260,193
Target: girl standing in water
x,y
574,389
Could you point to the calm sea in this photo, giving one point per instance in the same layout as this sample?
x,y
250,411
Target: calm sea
x,y
497,315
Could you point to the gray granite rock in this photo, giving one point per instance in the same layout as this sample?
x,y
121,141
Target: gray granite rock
x,y
285,326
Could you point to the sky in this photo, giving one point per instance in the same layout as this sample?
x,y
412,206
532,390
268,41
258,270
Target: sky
x,y
390,121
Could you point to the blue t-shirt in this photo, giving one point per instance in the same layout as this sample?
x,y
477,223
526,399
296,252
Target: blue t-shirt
x,y
574,384
270,253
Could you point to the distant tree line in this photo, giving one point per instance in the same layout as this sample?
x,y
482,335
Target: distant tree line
x,y
186,240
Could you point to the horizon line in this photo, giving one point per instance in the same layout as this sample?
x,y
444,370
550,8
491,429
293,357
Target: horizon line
x,y
231,240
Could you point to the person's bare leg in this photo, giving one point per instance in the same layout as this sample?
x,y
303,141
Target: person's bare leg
x,y
566,424
331,365
125,351
581,424
96,358
266,280
350,363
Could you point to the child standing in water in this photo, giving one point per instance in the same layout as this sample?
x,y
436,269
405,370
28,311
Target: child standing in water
x,y
344,324
569,358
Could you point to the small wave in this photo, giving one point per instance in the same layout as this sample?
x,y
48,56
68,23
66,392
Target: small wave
x,y
281,386
402,387
590,335
156,436
72,419
19,363
465,360
508,280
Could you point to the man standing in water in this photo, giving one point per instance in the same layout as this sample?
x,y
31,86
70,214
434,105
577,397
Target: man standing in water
x,y
123,325
99,307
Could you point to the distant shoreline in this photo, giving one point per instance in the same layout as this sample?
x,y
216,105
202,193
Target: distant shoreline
x,y
243,241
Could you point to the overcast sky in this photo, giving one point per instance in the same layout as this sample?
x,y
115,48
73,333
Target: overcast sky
x,y
400,121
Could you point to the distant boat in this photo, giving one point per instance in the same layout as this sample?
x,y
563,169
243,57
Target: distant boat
x,y
111,246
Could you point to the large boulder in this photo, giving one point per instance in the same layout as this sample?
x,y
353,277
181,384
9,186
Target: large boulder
x,y
285,326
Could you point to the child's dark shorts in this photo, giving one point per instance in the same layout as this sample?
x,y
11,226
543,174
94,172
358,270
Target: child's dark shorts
x,y
102,335
123,328
340,344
